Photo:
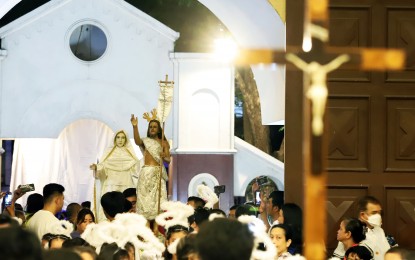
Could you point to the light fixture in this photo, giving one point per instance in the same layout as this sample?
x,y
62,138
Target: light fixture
x,y
225,49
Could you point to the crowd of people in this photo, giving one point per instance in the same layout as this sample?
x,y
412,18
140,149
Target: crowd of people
x,y
185,230
140,223
46,231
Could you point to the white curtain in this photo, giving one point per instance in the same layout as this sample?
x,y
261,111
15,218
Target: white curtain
x,y
64,160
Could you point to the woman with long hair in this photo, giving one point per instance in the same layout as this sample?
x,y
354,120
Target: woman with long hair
x,y
84,218
292,215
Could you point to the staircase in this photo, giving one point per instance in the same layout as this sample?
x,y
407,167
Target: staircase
x,y
250,162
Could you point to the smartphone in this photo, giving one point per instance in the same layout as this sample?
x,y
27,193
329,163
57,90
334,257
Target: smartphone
x,y
8,199
257,197
26,187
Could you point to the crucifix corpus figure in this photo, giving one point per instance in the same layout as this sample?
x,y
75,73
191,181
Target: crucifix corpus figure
x,y
317,91
317,59
153,174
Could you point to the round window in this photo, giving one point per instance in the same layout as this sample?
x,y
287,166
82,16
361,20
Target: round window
x,y
88,42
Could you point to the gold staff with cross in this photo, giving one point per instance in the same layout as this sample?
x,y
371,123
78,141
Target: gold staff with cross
x,y
163,110
316,63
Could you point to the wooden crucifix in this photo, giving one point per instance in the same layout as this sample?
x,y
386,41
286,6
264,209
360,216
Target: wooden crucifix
x,y
316,61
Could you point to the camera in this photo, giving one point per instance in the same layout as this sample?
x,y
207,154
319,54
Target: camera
x,y
219,189
262,180
26,187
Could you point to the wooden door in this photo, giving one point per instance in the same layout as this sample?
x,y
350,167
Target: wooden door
x,y
370,119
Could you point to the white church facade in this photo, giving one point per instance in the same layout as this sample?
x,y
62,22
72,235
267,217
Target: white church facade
x,y
62,97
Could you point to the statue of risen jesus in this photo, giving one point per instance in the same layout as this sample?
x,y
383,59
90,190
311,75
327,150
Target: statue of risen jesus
x,y
155,152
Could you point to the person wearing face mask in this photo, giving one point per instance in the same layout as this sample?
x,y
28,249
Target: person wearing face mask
x,y
117,167
370,212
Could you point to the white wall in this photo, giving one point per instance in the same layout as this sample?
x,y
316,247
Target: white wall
x,y
255,24
44,87
270,80
250,162
204,104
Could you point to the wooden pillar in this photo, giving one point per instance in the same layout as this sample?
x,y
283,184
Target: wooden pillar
x,y
293,172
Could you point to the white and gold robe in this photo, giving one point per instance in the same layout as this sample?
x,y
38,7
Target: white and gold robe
x,y
147,187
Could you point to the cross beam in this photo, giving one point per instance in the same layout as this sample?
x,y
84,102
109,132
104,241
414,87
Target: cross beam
x,y
166,81
314,147
375,59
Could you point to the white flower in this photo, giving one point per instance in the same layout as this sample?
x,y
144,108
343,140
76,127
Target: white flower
x,y
207,195
175,213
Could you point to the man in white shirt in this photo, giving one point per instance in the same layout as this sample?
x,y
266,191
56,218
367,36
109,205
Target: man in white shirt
x,y
43,220
370,212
